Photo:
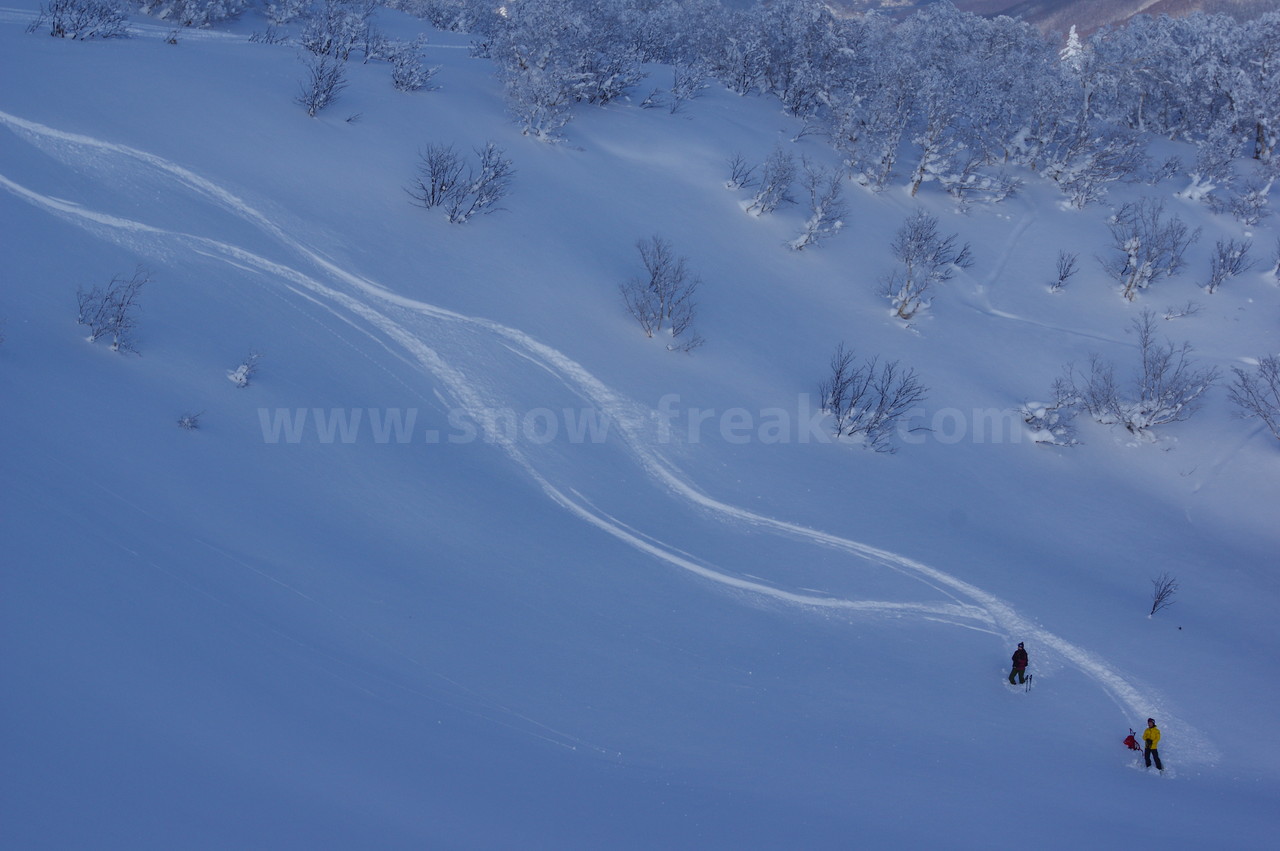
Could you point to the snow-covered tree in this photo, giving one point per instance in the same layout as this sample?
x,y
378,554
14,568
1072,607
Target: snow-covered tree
x,y
801,53
552,54
1147,247
1260,68
408,71
869,123
195,13
338,27
1054,421
244,373
927,259
282,12
483,188
1167,387
83,19
1251,204
687,82
1072,54
1229,259
739,58
1085,158
827,208
1214,168
776,178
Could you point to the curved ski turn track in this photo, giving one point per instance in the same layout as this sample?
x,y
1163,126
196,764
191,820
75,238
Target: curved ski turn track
x,y
460,357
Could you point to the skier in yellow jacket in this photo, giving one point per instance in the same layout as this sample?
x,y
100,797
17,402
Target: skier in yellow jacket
x,y
1151,744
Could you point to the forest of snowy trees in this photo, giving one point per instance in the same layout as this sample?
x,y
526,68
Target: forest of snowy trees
x,y
940,95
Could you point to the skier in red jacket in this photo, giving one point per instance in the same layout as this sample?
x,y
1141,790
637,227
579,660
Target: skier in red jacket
x,y
1020,662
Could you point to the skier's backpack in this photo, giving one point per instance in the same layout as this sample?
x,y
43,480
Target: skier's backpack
x,y
1131,741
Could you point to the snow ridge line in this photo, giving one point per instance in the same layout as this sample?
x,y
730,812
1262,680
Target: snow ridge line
x,y
989,608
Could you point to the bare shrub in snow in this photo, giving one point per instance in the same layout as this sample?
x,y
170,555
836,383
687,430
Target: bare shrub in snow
x,y
1257,393
741,175
190,421
1163,587
1166,388
439,173
663,299
868,399
82,19
776,176
1148,247
827,208
1191,308
927,258
1067,266
484,187
688,81
442,182
1230,258
111,310
326,78
1170,168
269,36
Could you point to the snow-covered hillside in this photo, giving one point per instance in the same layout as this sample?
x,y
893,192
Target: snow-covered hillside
x,y
473,563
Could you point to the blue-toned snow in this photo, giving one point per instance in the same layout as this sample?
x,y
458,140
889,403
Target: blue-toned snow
x,y
471,563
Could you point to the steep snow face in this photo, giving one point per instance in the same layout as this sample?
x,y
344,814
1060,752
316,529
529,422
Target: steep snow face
x,y
470,562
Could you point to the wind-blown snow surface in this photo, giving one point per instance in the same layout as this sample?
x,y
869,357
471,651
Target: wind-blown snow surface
x,y
693,622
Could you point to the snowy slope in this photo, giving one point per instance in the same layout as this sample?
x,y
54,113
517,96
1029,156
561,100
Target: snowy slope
x,y
708,628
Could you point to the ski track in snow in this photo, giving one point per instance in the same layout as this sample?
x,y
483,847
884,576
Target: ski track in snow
x,y
369,307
